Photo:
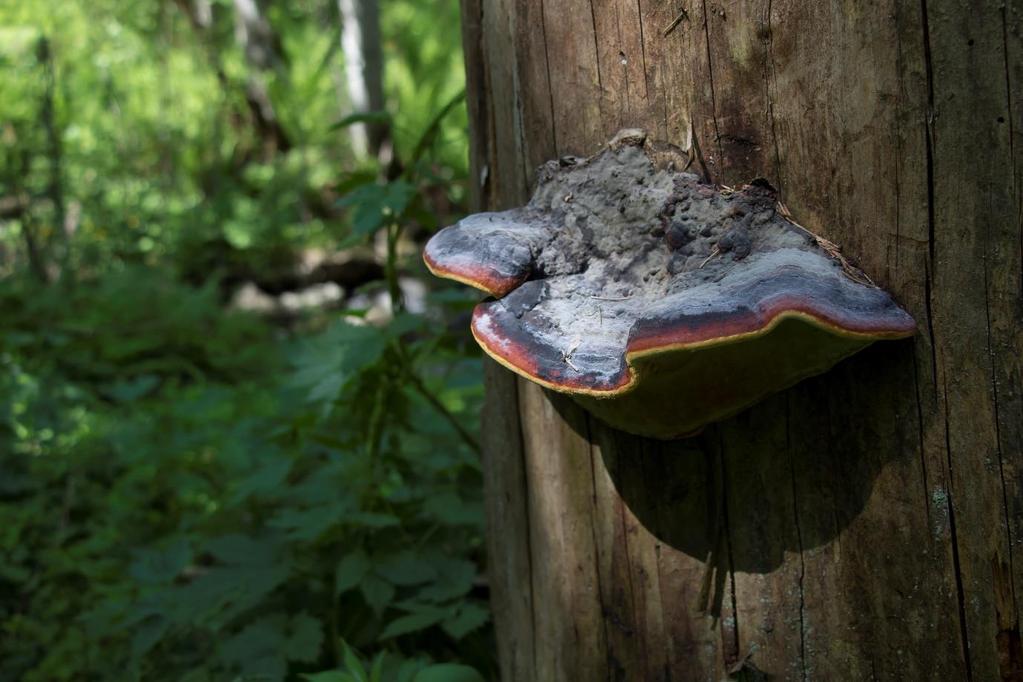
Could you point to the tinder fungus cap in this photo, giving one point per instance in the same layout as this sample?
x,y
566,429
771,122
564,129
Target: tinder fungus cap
x,y
658,302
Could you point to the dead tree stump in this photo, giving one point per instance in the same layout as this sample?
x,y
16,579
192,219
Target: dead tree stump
x,y
865,524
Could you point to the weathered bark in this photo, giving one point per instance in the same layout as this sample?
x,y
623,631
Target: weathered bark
x,y
865,524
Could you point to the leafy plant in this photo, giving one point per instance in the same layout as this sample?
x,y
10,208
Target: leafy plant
x,y
189,492
214,519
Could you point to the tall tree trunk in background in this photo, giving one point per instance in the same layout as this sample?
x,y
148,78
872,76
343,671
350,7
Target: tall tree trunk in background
x,y
60,239
364,71
263,53
865,524
268,128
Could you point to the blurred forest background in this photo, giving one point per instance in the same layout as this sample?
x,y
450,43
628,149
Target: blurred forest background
x,y
237,421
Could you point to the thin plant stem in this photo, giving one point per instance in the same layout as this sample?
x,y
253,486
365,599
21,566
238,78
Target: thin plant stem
x,y
391,268
421,389
376,428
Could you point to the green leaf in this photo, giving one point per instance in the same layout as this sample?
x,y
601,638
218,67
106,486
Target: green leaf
x,y
305,640
377,592
133,389
448,672
408,670
350,571
329,361
469,617
405,568
268,478
161,565
374,206
256,650
222,593
454,580
238,549
147,635
352,663
373,519
433,129
413,622
329,676
307,524
376,672
450,509
361,117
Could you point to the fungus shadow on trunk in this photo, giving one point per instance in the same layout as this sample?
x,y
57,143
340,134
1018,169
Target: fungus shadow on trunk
x,y
788,475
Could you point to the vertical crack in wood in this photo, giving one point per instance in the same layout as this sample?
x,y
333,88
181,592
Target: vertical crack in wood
x,y
594,454
596,60
931,224
998,425
900,69
964,636
799,539
521,149
929,126
710,79
929,312
920,436
707,177
637,625
664,107
625,71
480,119
642,52
771,84
1016,180
550,83
728,545
929,147
529,531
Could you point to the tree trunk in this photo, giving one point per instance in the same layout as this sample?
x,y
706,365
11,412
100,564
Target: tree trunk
x,y
263,52
364,71
865,524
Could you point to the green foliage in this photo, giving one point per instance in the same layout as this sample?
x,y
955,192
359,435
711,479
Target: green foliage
x,y
189,492
374,206
180,511
159,152
386,667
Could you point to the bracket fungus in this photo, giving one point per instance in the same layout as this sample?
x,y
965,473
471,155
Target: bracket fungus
x,y
658,302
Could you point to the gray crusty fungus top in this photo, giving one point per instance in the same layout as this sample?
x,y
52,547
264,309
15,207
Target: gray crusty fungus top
x,y
619,255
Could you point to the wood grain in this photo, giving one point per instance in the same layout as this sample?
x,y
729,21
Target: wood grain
x,y
866,524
